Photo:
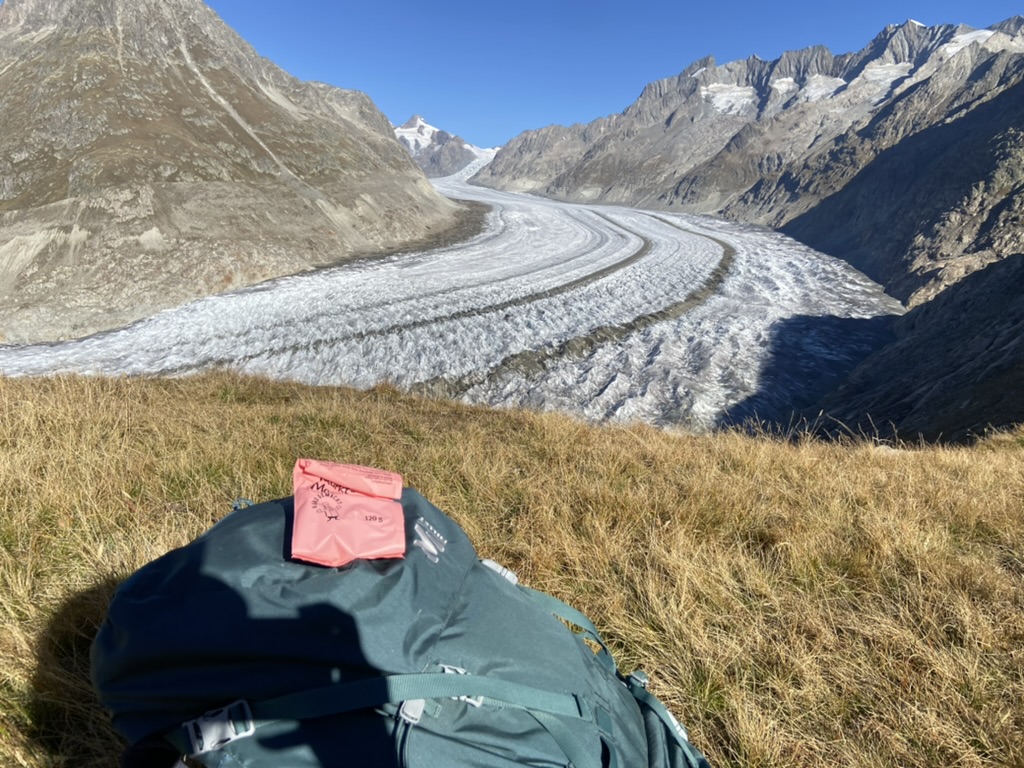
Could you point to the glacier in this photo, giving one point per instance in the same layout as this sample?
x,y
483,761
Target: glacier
x,y
608,313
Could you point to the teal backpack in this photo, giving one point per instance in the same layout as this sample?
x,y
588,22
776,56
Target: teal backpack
x,y
230,652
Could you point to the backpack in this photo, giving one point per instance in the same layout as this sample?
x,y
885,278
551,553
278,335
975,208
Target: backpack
x,y
230,651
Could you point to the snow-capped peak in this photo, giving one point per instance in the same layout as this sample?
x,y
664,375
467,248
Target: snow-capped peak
x,y
416,133
438,152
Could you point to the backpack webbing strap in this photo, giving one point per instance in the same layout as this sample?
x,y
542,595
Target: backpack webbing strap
x,y
556,607
554,711
561,610
392,689
694,759
569,739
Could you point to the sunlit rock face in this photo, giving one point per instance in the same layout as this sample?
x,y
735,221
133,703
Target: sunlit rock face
x,y
148,156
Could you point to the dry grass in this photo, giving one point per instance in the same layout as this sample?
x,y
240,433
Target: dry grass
x,y
797,603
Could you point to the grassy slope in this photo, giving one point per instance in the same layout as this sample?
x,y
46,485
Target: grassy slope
x,y
797,604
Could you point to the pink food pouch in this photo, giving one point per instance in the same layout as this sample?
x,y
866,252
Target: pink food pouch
x,y
345,512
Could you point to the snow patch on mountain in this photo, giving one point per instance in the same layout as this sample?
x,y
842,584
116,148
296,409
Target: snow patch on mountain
x,y
885,73
416,134
821,87
785,85
962,41
730,99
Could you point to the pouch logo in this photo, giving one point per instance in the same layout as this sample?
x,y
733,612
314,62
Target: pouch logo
x,y
328,500
429,540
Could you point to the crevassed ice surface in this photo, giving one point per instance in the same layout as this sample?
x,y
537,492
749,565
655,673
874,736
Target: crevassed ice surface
x,y
608,313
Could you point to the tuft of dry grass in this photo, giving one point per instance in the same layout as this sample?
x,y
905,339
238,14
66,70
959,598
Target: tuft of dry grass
x,y
796,603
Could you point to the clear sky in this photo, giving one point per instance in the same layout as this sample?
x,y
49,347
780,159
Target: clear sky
x,y
489,70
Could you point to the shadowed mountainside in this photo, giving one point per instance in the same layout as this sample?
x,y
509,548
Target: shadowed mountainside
x,y
955,370
933,207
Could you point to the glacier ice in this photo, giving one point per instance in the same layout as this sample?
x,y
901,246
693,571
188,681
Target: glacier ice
x,y
625,315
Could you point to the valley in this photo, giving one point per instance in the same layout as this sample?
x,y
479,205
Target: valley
x,y
612,314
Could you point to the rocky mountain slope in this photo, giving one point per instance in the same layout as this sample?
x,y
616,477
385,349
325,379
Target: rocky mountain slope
x,y
771,142
905,158
148,155
438,152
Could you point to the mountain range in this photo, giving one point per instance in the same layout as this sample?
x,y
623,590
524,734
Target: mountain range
x,y
148,156
906,159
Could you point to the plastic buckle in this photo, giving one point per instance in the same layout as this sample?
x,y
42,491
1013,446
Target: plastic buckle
x,y
473,701
219,727
640,679
501,570
412,710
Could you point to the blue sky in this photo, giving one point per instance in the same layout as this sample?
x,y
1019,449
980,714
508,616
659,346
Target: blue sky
x,y
489,70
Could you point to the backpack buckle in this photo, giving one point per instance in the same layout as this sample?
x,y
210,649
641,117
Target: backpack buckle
x,y
473,701
640,679
219,727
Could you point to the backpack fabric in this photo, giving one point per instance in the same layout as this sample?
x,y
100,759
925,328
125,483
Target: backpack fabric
x,y
228,650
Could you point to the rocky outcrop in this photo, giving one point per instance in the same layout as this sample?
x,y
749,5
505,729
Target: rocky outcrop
x,y
921,213
149,156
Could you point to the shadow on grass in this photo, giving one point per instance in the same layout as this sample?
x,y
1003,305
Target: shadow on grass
x,y
66,719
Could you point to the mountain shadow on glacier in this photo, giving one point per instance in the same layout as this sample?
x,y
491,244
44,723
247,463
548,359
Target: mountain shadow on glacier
x,y
954,372
808,357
